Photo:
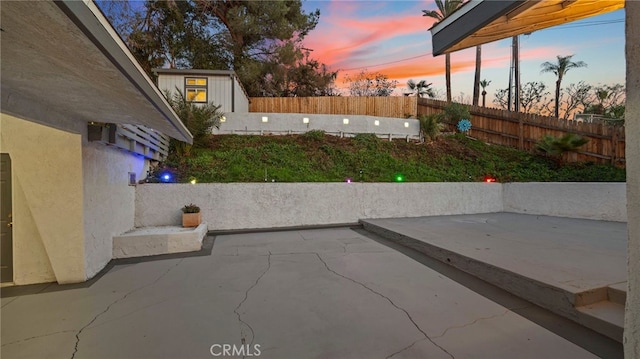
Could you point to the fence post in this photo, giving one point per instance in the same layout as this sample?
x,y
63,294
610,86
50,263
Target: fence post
x,y
520,131
614,145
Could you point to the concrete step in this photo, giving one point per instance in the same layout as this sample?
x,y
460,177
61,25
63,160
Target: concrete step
x,y
605,317
590,308
617,293
150,241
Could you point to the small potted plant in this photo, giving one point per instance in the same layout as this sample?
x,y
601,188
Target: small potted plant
x,y
191,216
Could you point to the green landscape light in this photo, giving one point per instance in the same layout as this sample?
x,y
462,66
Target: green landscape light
x,y
399,177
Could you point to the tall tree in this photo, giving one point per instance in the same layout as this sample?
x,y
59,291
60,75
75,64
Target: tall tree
x,y
260,40
476,78
484,84
370,84
421,88
445,8
559,69
255,28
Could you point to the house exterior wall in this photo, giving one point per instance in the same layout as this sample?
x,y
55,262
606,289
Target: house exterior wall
x,y
47,201
170,82
220,90
241,99
632,132
109,201
70,198
223,90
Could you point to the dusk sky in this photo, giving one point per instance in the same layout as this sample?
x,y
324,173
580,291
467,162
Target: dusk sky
x,y
392,37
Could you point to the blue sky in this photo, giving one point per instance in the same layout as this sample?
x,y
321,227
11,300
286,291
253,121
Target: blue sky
x,y
392,37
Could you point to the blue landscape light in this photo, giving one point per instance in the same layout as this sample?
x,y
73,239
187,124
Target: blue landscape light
x,y
166,177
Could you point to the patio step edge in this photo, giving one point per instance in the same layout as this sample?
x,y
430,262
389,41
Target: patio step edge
x,y
555,299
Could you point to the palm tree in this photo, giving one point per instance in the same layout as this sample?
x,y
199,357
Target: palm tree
x,y
484,84
421,88
445,8
559,69
476,79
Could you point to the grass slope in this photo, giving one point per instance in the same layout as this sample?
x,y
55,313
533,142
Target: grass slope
x,y
315,157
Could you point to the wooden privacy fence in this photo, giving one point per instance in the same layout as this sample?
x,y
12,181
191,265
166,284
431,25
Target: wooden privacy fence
x,y
393,106
520,130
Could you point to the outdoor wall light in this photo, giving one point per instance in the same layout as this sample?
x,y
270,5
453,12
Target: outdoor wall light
x,y
305,120
223,119
376,122
345,121
406,124
265,119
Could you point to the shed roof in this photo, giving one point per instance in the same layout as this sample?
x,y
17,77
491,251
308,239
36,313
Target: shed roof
x,y
63,61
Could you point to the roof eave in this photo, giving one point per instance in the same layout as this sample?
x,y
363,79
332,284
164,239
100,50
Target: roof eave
x,y
90,20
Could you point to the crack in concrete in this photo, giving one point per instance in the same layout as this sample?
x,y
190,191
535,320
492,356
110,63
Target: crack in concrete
x,y
38,336
405,348
75,349
389,300
243,338
472,323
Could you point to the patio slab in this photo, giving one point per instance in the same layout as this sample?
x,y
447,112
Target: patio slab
x,y
574,267
330,293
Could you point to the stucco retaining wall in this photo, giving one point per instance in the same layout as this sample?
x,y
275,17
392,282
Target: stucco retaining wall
x,y
269,205
601,201
272,205
251,123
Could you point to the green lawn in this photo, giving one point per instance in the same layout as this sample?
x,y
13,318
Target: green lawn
x,y
315,157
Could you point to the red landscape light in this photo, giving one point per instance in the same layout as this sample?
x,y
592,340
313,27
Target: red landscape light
x,y
489,179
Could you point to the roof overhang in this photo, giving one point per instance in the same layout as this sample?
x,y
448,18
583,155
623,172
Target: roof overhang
x,y
62,63
478,22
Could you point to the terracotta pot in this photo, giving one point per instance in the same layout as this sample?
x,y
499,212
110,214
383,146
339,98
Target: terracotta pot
x,y
191,219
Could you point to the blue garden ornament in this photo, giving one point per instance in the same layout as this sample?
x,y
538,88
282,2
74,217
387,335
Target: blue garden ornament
x,y
464,125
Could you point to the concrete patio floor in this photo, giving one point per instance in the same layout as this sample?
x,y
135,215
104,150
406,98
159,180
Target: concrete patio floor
x,y
323,293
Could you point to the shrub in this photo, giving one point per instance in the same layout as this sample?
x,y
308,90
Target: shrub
x,y
314,135
556,146
368,140
455,112
199,119
430,126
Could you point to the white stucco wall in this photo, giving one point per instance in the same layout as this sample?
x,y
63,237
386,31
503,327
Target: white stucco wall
x,y
109,201
268,205
632,132
251,123
603,201
47,201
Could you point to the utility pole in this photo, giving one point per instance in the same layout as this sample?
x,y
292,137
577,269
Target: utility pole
x,y
516,67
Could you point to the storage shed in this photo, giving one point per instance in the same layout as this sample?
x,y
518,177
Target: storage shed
x,y
220,87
